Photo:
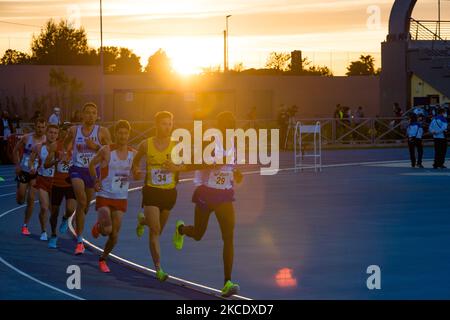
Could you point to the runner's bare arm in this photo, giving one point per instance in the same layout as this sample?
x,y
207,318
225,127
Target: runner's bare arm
x,y
97,160
17,147
34,154
142,151
69,138
51,160
105,136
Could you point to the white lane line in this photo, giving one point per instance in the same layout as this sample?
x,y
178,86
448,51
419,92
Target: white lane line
x,y
8,185
26,274
142,268
7,194
137,267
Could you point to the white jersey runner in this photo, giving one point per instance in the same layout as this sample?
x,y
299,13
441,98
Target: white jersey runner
x,y
82,155
219,178
115,178
27,150
49,172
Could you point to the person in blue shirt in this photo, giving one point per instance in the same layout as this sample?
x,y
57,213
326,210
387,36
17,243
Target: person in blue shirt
x,y
438,128
415,134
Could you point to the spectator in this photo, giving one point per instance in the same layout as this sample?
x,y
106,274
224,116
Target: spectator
x,y
16,123
415,134
438,128
359,115
55,118
6,130
283,121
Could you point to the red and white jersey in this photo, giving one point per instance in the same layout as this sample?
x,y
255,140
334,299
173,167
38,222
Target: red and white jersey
x,y
115,177
81,154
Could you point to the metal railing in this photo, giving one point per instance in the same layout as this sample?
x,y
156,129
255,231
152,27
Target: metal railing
x,y
363,131
429,30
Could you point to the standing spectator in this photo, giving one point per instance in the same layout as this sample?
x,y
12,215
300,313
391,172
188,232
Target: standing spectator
x,y
55,118
359,115
283,121
16,123
438,128
415,134
6,130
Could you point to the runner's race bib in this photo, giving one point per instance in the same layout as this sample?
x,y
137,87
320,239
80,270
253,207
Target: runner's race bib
x,y
120,184
220,179
161,177
85,158
63,167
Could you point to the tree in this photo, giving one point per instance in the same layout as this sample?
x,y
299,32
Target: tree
x,y
120,61
67,89
159,63
15,57
60,44
315,70
278,61
238,67
365,66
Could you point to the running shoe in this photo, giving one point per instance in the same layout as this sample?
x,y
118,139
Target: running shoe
x,y
103,266
64,226
140,229
230,289
44,236
25,231
96,230
79,249
161,275
178,239
52,242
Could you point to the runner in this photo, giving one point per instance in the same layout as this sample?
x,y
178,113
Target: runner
x,y
159,193
214,193
112,188
86,140
44,180
61,160
26,181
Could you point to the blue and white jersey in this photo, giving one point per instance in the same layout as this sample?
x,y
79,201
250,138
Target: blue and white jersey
x,y
81,154
438,127
414,130
26,156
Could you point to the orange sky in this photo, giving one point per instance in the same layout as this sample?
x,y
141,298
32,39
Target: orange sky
x,y
330,32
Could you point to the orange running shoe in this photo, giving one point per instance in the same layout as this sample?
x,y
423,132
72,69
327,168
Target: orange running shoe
x,y
79,249
96,230
103,266
25,231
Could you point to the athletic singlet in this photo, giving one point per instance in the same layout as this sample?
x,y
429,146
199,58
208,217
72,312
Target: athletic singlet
x,y
156,176
49,172
27,150
62,169
218,178
81,154
115,176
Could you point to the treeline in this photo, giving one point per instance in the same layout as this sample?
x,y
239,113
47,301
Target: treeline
x,y
61,44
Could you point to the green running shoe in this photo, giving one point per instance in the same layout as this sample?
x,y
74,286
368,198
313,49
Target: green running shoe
x,y
161,275
230,289
178,239
140,229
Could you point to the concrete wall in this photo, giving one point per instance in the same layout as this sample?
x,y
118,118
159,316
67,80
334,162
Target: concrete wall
x,y
315,96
